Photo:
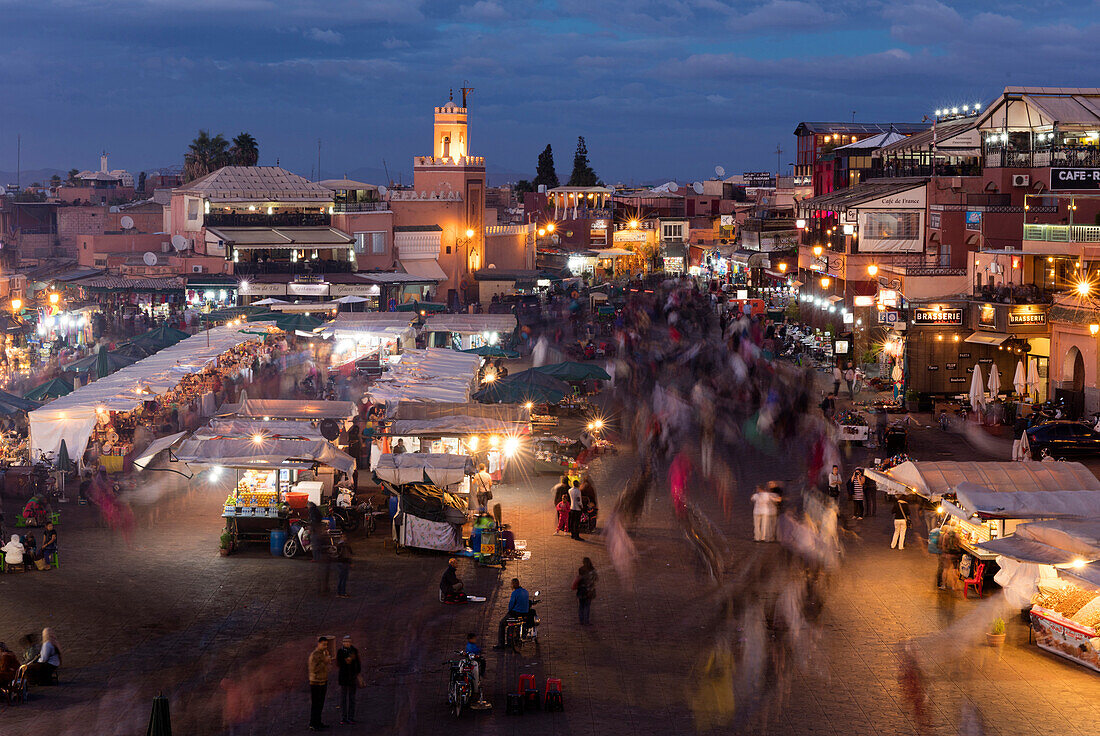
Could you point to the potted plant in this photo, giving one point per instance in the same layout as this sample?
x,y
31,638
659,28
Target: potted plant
x,y
226,544
995,637
912,400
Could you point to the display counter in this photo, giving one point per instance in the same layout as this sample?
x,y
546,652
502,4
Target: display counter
x,y
1064,621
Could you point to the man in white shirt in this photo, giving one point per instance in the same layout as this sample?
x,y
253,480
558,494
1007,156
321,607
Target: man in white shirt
x,y
764,509
575,505
483,485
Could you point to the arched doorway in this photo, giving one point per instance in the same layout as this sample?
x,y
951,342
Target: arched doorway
x,y
1073,382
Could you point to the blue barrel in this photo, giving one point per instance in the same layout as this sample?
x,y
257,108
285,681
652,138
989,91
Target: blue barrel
x,y
278,539
393,506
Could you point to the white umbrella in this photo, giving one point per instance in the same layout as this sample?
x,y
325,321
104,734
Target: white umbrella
x,y
1032,375
977,391
351,299
1018,381
269,301
994,381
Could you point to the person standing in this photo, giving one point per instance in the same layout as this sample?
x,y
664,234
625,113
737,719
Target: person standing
x,y
901,522
483,484
834,483
576,504
563,514
764,507
585,585
349,676
857,493
837,378
343,567
828,406
319,662
850,379
870,494
561,490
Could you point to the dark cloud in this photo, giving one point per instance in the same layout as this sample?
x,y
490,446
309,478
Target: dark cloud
x,y
660,88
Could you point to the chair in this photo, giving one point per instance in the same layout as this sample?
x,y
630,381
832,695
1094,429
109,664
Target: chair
x,y
553,697
975,581
530,692
55,559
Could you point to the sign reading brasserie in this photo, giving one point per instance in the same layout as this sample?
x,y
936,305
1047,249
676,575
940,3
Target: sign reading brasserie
x,y
1022,317
1064,178
950,316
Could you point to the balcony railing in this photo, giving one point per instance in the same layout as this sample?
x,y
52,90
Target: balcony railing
x,y
892,169
1063,233
261,219
997,157
345,208
289,267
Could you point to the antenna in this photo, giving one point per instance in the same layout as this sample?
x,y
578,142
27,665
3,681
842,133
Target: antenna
x,y
853,116
465,92
318,159
778,155
126,222
387,170
719,171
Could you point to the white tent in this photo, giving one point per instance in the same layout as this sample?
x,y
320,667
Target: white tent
x,y
1056,542
246,427
457,424
71,418
1028,504
155,448
441,469
1019,381
267,452
441,375
994,381
471,324
1032,375
977,391
934,479
290,409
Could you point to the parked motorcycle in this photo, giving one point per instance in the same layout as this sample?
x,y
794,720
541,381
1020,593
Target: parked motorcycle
x,y
518,631
462,683
299,540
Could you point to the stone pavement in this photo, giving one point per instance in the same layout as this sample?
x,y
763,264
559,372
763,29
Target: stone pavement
x,y
227,638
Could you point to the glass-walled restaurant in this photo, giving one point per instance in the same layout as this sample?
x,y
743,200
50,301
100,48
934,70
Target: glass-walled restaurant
x,y
1042,127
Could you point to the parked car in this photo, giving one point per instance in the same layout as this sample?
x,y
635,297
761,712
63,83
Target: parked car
x,y
1063,439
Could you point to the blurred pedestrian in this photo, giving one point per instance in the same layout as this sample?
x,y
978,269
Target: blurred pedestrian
x,y
585,585
837,378
343,567
483,483
563,514
320,660
764,509
901,522
349,677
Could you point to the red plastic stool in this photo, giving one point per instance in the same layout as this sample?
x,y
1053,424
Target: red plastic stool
x,y
553,696
530,692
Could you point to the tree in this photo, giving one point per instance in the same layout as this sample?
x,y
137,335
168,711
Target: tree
x,y
72,180
523,186
205,154
55,181
141,182
583,175
245,150
545,173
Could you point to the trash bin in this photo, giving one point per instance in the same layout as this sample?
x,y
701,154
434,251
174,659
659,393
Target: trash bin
x,y
278,539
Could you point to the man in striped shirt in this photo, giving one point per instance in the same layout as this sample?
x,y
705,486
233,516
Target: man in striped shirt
x,y
857,493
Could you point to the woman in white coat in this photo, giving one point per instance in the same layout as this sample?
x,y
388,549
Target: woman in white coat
x,y
13,551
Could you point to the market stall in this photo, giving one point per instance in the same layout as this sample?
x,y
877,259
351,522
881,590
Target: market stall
x,y
428,517
1053,565
465,331
181,378
289,409
932,480
432,375
373,335
853,426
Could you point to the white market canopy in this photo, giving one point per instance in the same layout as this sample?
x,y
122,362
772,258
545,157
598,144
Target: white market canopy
x,y
471,324
1028,504
141,462
933,479
441,469
290,409
456,425
441,375
249,427
265,452
1060,542
72,417
364,325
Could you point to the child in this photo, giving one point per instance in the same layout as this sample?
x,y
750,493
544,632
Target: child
x,y
563,515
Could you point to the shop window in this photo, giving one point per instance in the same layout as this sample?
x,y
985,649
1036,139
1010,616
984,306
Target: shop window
x,y
893,225
672,231
192,209
373,243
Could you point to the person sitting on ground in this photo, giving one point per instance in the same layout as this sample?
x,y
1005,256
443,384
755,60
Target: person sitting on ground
x,y
9,666
41,671
30,551
450,587
13,551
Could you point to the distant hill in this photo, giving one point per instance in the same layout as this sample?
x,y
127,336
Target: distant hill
x,y
374,175
29,176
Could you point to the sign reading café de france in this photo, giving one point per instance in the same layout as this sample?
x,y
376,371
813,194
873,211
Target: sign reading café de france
x,y
1075,178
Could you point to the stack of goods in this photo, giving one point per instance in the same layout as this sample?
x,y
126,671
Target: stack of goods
x,y
892,462
1071,603
851,418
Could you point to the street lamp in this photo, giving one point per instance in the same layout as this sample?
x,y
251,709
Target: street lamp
x,y
825,282
1083,288
1094,328
550,227
16,304
469,232
783,268
818,250
633,224
872,270
54,297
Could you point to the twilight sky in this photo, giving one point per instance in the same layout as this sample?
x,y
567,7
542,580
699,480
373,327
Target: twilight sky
x,y
661,89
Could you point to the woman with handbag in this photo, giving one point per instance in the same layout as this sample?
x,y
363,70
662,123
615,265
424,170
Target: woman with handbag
x,y
483,484
585,585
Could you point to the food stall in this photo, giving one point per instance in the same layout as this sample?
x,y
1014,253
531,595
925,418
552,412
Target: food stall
x,y
466,331
1053,566
431,510
853,426
376,336
432,375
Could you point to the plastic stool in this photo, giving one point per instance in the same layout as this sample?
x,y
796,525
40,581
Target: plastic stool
x,y
554,695
526,682
55,518
515,705
55,559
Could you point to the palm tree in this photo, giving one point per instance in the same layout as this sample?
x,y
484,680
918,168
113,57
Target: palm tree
x,y
245,150
205,154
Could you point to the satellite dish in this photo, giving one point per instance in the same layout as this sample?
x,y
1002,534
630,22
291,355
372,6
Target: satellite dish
x,y
179,242
671,186
150,258
697,187
126,221
382,191
330,430
113,209
720,171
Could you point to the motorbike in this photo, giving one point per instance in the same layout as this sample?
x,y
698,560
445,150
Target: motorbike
x,y
518,630
461,685
347,518
299,540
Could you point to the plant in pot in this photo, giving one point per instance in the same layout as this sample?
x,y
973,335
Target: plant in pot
x,y
226,544
995,637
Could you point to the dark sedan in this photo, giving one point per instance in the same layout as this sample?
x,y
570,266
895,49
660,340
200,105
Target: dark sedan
x,y
1063,439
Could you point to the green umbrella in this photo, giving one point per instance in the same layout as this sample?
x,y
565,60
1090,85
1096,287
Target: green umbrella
x,y
293,322
160,720
12,404
508,392
161,337
101,363
137,351
571,370
64,464
51,389
492,351
535,378
265,316
414,306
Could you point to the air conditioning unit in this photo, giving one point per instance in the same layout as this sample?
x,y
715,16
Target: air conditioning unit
x,y
196,269
1020,180
165,247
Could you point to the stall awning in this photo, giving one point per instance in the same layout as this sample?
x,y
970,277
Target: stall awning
x,y
750,258
427,267
441,469
456,425
290,409
934,479
267,452
471,324
155,448
1026,550
1028,504
281,237
987,338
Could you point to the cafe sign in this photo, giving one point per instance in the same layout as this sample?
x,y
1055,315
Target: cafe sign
x,y
1074,179
1020,318
949,316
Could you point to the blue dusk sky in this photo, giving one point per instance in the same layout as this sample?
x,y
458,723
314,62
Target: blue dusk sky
x,y
660,88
